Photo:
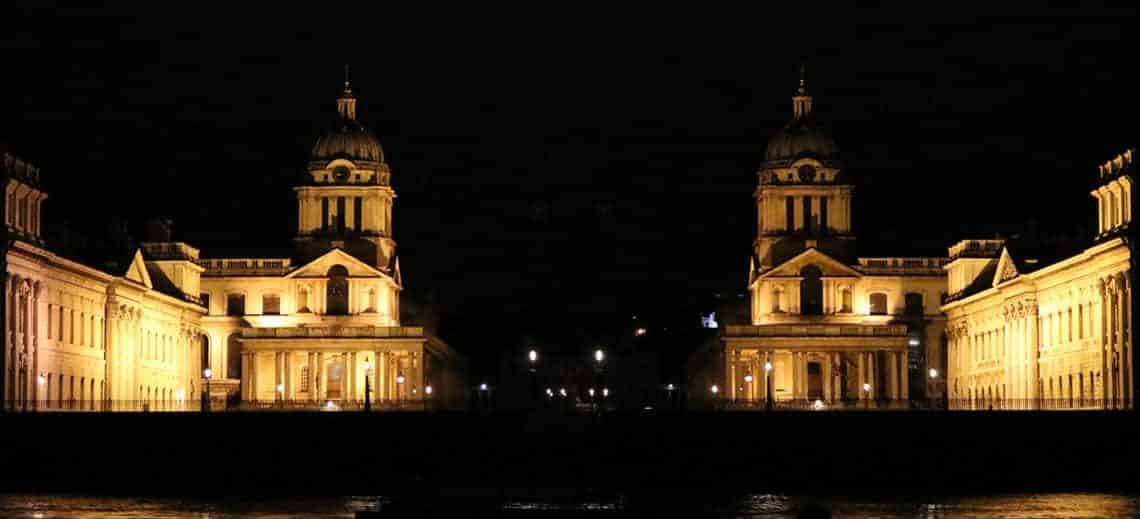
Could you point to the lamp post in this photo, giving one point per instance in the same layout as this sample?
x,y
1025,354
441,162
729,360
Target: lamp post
x,y
207,374
367,387
934,384
280,395
768,384
399,382
532,358
867,394
748,386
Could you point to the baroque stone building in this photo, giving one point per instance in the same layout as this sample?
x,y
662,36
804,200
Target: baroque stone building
x,y
1028,333
175,328
828,329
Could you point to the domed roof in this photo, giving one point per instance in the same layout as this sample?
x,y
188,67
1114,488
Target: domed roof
x,y
802,138
349,139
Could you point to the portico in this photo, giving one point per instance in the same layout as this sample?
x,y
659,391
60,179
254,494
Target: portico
x,y
312,366
800,364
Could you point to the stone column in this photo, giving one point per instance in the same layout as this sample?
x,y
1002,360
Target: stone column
x,y
350,370
247,370
904,370
1102,339
288,361
1123,381
312,363
892,377
252,376
1128,341
825,373
861,365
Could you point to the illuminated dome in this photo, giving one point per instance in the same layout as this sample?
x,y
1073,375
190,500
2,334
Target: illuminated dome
x,y
349,139
803,136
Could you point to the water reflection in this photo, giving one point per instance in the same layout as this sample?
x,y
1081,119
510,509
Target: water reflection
x,y
1006,506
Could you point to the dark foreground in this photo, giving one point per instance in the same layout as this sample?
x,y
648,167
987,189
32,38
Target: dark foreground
x,y
414,457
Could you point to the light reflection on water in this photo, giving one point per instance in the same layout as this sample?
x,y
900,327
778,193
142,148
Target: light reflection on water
x,y
767,506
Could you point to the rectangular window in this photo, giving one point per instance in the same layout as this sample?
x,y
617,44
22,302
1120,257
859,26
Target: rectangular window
x,y
790,209
49,319
358,213
324,214
270,304
823,224
60,334
235,305
71,328
807,213
304,379
340,214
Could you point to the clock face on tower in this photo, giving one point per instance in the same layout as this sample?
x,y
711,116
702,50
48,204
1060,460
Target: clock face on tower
x,y
806,173
340,175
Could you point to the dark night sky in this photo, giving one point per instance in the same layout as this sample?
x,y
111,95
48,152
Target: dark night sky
x,y
560,170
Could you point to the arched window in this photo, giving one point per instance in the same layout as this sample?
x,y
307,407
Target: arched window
x,y
270,304
845,299
337,291
811,291
303,300
878,302
205,351
913,304
233,357
235,305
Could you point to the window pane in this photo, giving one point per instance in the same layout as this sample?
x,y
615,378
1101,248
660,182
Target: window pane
x,y
270,304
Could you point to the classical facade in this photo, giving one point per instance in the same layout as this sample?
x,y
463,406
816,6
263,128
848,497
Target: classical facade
x,y
828,329
175,329
1026,333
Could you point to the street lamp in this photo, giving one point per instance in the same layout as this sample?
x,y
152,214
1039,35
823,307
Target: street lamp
x,y
399,382
280,395
867,393
532,355
207,374
934,382
367,387
768,384
599,356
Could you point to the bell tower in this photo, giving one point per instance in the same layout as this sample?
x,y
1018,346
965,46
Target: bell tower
x,y
802,197
345,199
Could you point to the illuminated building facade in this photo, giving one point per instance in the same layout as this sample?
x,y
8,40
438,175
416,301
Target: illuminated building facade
x,y
1027,333
285,332
827,328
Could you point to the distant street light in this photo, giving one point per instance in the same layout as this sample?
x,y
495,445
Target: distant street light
x,y
591,392
562,391
483,386
207,374
748,378
867,392
533,356
599,356
605,392
933,373
714,389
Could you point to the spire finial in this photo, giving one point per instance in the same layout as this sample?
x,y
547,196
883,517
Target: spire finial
x,y
347,87
801,102
346,104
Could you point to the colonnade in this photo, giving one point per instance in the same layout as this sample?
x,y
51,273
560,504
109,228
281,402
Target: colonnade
x,y
869,375
302,376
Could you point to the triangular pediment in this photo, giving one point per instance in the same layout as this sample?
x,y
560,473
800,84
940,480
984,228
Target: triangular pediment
x,y
1006,269
319,268
137,271
828,265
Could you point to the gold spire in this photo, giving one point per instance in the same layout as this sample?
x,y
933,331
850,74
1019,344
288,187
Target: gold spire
x,y
801,102
346,104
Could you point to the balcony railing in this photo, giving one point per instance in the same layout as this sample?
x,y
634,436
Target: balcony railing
x,y
246,266
815,330
380,332
170,251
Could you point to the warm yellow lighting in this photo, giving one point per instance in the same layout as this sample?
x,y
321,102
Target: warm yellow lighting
x,y
748,378
714,389
280,388
208,373
867,387
41,379
427,390
933,373
400,378
180,395
767,366
367,365
817,405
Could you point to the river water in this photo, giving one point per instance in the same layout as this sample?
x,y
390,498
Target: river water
x,y
1010,506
